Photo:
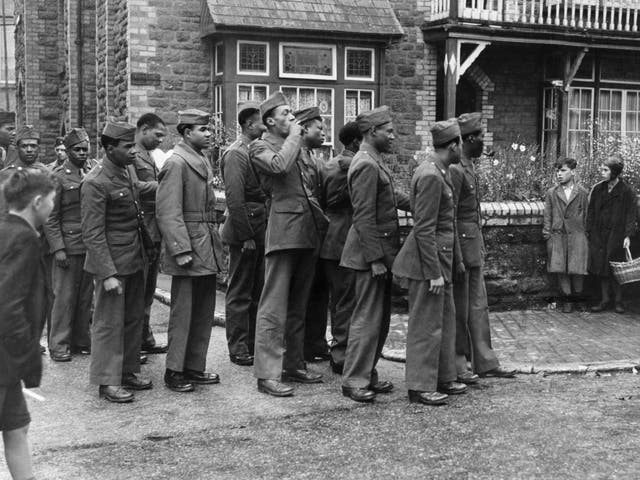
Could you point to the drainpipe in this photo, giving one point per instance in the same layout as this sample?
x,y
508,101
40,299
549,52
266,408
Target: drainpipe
x,y
6,55
79,45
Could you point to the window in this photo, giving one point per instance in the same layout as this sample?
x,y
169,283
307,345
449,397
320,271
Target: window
x,y
619,112
355,102
253,58
308,60
216,117
359,64
219,58
550,108
258,93
304,97
7,27
580,120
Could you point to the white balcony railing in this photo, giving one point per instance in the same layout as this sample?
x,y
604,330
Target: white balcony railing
x,y
611,15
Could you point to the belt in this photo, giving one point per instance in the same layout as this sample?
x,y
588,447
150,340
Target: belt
x,y
203,217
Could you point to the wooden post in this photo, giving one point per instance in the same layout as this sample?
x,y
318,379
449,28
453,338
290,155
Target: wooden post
x,y
451,64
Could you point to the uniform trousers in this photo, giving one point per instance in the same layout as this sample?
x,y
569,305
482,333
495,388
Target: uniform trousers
x,y
315,327
148,340
72,306
193,303
116,330
368,329
244,286
281,312
473,333
342,301
430,338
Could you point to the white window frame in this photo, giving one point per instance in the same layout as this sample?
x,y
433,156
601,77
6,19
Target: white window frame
x,y
623,110
373,64
252,86
334,61
359,90
333,105
218,69
252,72
590,149
218,91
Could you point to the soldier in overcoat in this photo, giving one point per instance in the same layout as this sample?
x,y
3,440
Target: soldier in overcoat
x,y
111,232
191,251
243,232
72,285
292,240
370,248
428,258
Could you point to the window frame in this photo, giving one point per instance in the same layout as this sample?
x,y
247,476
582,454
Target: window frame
x,y
218,69
372,78
592,110
359,90
301,76
624,132
333,105
265,73
218,108
252,85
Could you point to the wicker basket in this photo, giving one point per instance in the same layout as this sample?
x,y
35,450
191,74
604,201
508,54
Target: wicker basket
x,y
626,272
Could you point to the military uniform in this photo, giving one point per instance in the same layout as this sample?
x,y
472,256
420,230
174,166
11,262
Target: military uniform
x,y
111,233
72,286
246,220
188,222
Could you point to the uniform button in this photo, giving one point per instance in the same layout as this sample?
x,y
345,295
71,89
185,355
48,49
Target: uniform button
x,y
121,194
67,171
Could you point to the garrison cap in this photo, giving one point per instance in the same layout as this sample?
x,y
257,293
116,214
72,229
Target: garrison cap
x,y
373,118
75,136
59,141
470,123
276,99
445,131
194,117
307,114
119,130
246,106
27,132
7,117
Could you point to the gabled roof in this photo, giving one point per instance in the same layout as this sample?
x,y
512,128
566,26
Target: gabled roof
x,y
373,18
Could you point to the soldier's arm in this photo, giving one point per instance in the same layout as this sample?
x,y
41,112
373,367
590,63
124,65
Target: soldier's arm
x,y
427,205
457,179
52,227
143,187
169,214
364,185
235,173
279,163
93,207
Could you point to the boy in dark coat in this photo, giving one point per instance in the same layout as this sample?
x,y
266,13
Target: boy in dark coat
x,y
24,299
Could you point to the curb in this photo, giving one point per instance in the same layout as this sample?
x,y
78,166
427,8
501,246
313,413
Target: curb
x,y
164,297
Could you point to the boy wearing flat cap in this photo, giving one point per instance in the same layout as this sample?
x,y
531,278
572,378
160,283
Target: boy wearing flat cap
x,y
191,251
72,286
293,235
427,260
243,231
111,232
372,243
473,334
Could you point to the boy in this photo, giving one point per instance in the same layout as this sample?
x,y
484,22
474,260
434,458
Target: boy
x,y
24,298
565,216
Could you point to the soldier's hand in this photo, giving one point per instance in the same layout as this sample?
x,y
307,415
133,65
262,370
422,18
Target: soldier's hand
x,y
249,245
112,286
378,269
61,259
295,129
436,286
184,259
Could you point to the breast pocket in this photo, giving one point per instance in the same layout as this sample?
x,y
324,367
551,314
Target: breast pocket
x,y
288,207
70,194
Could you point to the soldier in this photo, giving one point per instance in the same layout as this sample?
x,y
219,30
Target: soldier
x,y
112,233
292,238
243,231
150,132
191,251
340,280
72,286
7,136
426,259
61,154
473,334
371,245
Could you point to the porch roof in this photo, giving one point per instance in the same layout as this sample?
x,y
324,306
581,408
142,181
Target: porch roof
x,y
370,18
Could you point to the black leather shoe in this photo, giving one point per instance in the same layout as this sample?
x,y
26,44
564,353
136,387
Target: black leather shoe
x,y
315,357
155,349
201,378
468,378
115,394
619,308
244,359
499,372
301,376
143,359
363,395
452,388
602,306
428,398
275,388
132,382
336,367
175,381
381,387
81,350
60,356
